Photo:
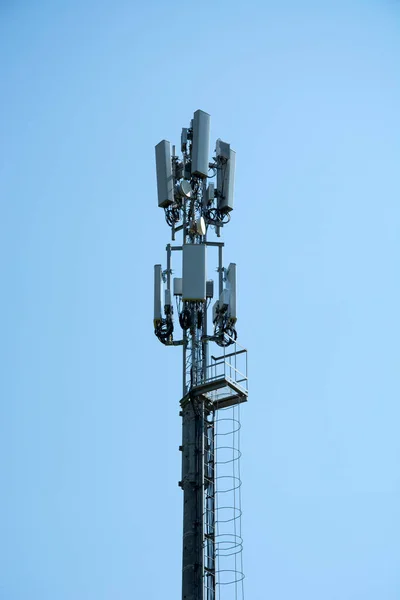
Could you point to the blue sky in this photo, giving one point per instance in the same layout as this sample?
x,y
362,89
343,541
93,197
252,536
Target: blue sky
x,y
308,94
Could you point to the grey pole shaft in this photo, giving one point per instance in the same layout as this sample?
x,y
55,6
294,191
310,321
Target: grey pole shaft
x,y
192,484
194,464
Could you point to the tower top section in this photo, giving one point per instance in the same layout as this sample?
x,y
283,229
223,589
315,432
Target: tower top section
x,y
196,192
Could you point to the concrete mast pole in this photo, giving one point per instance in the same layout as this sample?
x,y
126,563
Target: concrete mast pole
x,y
192,485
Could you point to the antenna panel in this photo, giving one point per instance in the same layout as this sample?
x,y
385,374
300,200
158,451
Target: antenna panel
x,y
157,294
184,139
209,195
201,143
224,300
177,286
215,310
226,178
165,181
194,272
231,278
187,173
222,149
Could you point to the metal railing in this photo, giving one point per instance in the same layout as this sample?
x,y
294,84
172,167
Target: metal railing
x,y
231,365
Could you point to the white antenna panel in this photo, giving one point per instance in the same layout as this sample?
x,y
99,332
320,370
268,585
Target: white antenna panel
x,y
209,195
224,300
194,272
226,177
222,149
165,181
201,143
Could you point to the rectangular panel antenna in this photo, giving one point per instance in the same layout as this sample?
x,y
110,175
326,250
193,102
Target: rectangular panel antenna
x,y
231,278
165,181
209,195
215,310
201,143
224,299
222,149
184,139
177,286
194,272
226,177
157,294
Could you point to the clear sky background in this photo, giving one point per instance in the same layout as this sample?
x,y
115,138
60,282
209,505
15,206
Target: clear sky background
x,y
308,94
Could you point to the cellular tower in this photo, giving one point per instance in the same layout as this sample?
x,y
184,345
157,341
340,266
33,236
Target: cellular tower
x,y
196,194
